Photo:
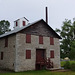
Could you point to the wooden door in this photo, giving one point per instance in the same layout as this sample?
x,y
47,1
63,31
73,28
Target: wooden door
x,y
40,57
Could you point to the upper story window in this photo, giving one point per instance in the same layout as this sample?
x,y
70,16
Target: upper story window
x,y
51,41
6,41
51,54
40,39
1,55
28,54
23,23
28,38
16,23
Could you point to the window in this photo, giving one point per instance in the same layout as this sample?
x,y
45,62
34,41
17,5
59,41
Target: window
x,y
16,23
28,54
52,54
28,38
23,23
1,55
40,39
51,41
6,41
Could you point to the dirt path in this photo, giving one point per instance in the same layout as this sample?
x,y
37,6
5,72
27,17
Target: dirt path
x,y
60,70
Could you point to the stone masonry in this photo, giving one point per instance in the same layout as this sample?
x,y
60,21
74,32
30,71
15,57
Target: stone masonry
x,y
23,64
14,56
8,53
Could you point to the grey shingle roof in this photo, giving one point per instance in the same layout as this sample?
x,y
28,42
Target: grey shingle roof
x,y
18,29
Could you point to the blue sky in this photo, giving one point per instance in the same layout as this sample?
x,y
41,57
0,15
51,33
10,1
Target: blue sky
x,y
34,10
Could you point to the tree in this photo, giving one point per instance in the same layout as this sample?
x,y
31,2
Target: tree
x,y
67,33
4,26
72,52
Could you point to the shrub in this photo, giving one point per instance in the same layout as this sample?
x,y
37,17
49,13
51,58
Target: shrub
x,y
72,66
67,65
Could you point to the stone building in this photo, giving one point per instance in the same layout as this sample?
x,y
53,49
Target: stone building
x,y
22,48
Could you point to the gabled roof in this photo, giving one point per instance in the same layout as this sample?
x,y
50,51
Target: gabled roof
x,y
24,27
20,18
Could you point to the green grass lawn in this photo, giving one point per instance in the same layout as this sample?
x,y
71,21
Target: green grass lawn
x,y
41,72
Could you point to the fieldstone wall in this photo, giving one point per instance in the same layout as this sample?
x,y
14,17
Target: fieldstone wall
x,y
23,64
8,53
15,54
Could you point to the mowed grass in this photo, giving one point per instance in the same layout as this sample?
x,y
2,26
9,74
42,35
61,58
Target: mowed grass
x,y
63,62
41,72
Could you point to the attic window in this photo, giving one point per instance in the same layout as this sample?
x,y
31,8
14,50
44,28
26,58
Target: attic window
x,y
23,23
16,23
